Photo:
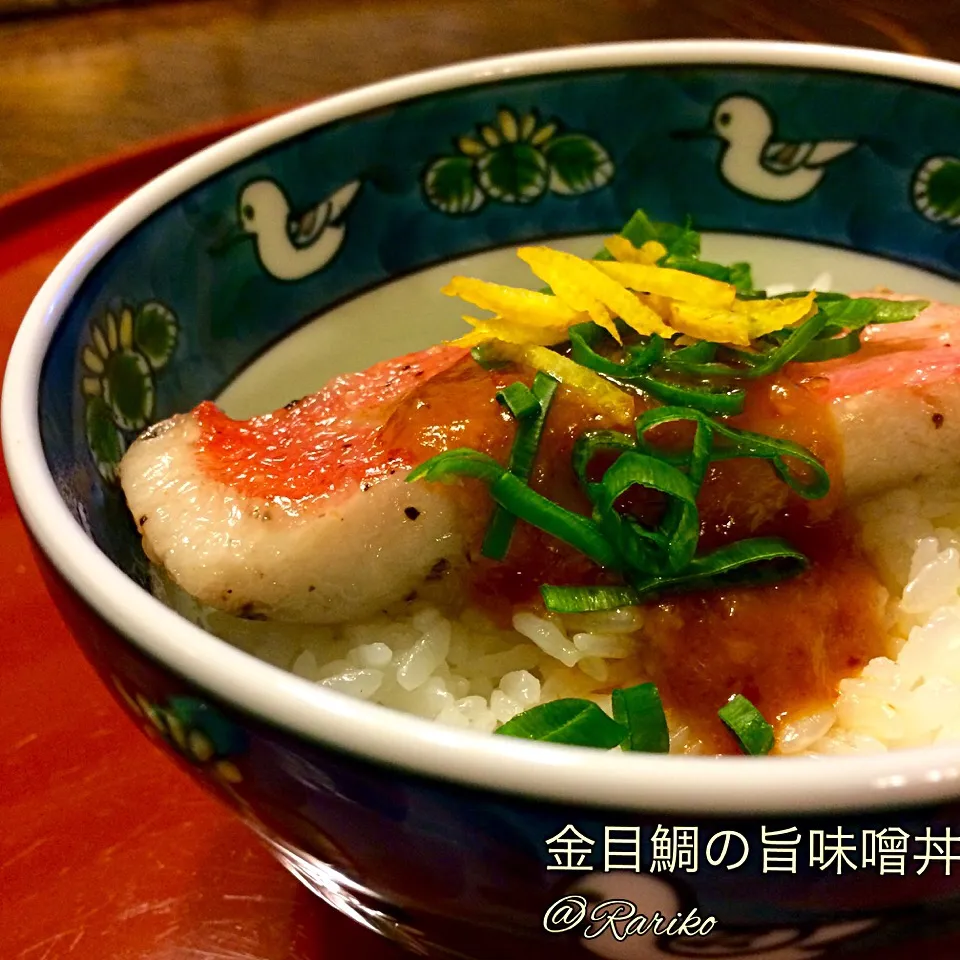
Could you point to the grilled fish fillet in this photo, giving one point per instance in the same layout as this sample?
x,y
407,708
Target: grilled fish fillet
x,y
304,514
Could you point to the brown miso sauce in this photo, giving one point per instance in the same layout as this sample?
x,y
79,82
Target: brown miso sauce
x,y
784,646
458,408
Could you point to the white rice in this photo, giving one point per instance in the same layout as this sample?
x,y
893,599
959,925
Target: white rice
x,y
911,696
466,672
462,671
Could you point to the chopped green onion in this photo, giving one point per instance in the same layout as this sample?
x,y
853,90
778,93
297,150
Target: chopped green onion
x,y
830,333
511,492
830,348
723,402
592,442
461,461
640,710
572,721
527,441
697,360
496,542
744,443
737,274
757,560
740,443
638,722
583,336
587,599
754,561
843,318
668,548
747,724
679,241
640,359
580,532
699,352
855,313
697,461
822,295
519,399
762,365
487,357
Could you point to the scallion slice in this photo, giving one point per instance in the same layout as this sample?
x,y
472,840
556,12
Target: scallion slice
x,y
829,348
723,402
496,541
580,532
583,338
589,444
832,332
487,357
572,721
634,371
855,313
640,710
667,548
587,599
747,724
697,360
738,443
700,352
511,492
638,722
737,274
519,399
529,433
744,443
461,461
764,364
698,459
754,561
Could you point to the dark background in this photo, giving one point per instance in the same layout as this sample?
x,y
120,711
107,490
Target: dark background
x,y
100,78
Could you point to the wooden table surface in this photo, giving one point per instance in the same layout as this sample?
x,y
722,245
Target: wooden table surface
x,y
105,849
85,84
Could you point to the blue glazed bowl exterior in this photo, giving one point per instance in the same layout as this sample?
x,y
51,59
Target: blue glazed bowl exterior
x,y
203,286
448,871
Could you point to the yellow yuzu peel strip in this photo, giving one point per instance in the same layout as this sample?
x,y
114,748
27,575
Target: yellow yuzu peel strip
x,y
513,303
676,284
647,298
580,284
710,323
511,331
562,271
766,316
623,251
602,394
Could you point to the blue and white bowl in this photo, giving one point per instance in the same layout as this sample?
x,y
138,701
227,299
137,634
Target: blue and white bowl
x,y
206,283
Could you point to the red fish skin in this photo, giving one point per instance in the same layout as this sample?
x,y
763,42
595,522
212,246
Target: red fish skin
x,y
325,443
364,426
914,354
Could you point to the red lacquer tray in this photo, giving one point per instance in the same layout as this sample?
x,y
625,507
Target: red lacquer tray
x,y
106,849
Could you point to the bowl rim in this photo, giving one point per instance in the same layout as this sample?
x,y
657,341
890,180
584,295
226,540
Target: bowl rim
x,y
544,772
